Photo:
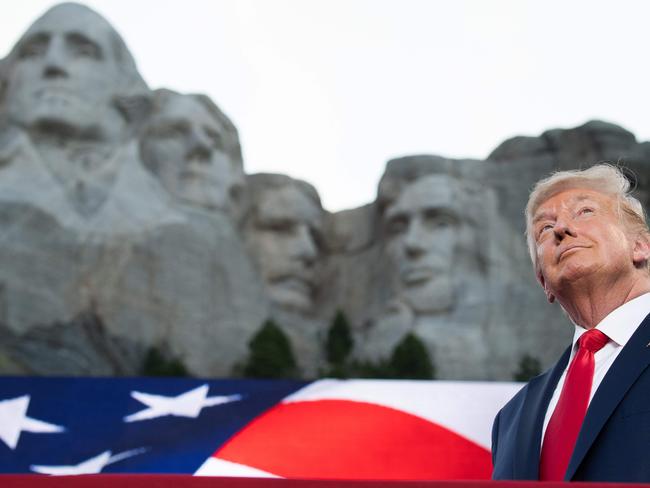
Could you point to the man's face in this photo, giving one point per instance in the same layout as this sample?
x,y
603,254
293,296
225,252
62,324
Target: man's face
x,y
64,70
423,236
284,240
580,236
184,147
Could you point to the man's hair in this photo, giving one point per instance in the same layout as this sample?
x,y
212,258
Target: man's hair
x,y
231,146
259,183
132,91
603,178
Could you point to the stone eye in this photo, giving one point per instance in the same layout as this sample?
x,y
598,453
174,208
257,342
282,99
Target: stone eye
x,y
397,224
34,46
215,137
82,46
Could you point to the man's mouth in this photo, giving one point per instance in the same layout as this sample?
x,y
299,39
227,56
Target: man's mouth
x,y
569,250
49,92
415,276
296,284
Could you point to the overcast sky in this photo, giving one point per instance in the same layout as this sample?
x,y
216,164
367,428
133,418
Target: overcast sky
x,y
329,90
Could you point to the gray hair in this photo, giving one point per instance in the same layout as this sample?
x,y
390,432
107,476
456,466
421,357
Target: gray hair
x,y
603,178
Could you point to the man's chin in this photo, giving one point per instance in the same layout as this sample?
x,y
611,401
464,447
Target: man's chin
x,y
570,275
431,297
291,298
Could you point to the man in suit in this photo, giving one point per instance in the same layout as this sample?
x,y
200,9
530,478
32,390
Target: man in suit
x,y
588,417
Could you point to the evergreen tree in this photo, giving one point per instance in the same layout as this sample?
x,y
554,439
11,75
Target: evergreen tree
x,y
380,369
410,360
157,364
339,340
529,367
270,355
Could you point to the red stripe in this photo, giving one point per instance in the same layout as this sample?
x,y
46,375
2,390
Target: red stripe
x,y
354,440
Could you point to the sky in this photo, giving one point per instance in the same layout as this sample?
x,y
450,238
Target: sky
x,y
329,90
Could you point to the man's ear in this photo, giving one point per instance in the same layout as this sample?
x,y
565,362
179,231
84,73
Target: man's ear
x,y
641,252
549,296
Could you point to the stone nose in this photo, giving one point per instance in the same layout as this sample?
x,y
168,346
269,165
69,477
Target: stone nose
x,y
198,145
414,239
304,246
55,60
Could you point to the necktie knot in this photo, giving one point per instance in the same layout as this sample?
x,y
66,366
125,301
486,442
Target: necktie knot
x,y
593,340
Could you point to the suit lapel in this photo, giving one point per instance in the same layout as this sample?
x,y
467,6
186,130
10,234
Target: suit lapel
x,y
627,367
529,435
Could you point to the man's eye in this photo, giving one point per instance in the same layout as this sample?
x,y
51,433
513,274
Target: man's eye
x,y
544,228
84,47
170,130
214,136
440,221
397,225
277,226
585,210
36,46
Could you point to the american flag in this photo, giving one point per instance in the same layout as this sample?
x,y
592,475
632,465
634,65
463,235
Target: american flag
x,y
328,429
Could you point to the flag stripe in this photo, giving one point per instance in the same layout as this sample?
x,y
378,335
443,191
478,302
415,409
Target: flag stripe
x,y
354,440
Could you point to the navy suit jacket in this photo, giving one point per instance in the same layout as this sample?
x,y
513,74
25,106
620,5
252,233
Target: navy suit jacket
x,y
614,441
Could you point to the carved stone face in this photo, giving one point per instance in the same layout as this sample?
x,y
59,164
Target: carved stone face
x,y
422,228
184,147
283,237
64,72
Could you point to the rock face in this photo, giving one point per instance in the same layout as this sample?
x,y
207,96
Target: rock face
x,y
129,223
117,201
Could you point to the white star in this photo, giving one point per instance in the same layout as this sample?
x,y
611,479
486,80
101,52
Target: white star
x,y
91,466
187,404
13,420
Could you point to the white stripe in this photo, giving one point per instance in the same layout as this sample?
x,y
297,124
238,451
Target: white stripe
x,y
219,467
465,407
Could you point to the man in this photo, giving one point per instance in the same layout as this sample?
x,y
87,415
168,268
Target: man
x,y
432,268
68,73
72,97
193,149
283,229
426,229
587,418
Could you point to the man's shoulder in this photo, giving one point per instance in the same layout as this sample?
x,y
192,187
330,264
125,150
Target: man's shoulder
x,y
516,403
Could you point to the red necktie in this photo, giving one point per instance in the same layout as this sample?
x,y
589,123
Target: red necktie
x,y
564,426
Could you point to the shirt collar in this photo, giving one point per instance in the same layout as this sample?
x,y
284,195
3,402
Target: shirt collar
x,y
622,322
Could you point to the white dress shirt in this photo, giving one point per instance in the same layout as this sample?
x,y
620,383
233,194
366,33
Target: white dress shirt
x,y
619,326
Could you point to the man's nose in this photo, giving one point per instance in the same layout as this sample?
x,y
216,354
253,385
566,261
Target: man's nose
x,y
563,227
304,246
55,60
198,145
414,238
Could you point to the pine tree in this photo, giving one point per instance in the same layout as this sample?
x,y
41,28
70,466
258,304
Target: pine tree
x,y
529,367
157,364
410,360
339,340
270,355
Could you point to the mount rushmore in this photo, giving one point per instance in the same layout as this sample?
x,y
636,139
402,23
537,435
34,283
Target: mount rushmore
x,y
129,222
